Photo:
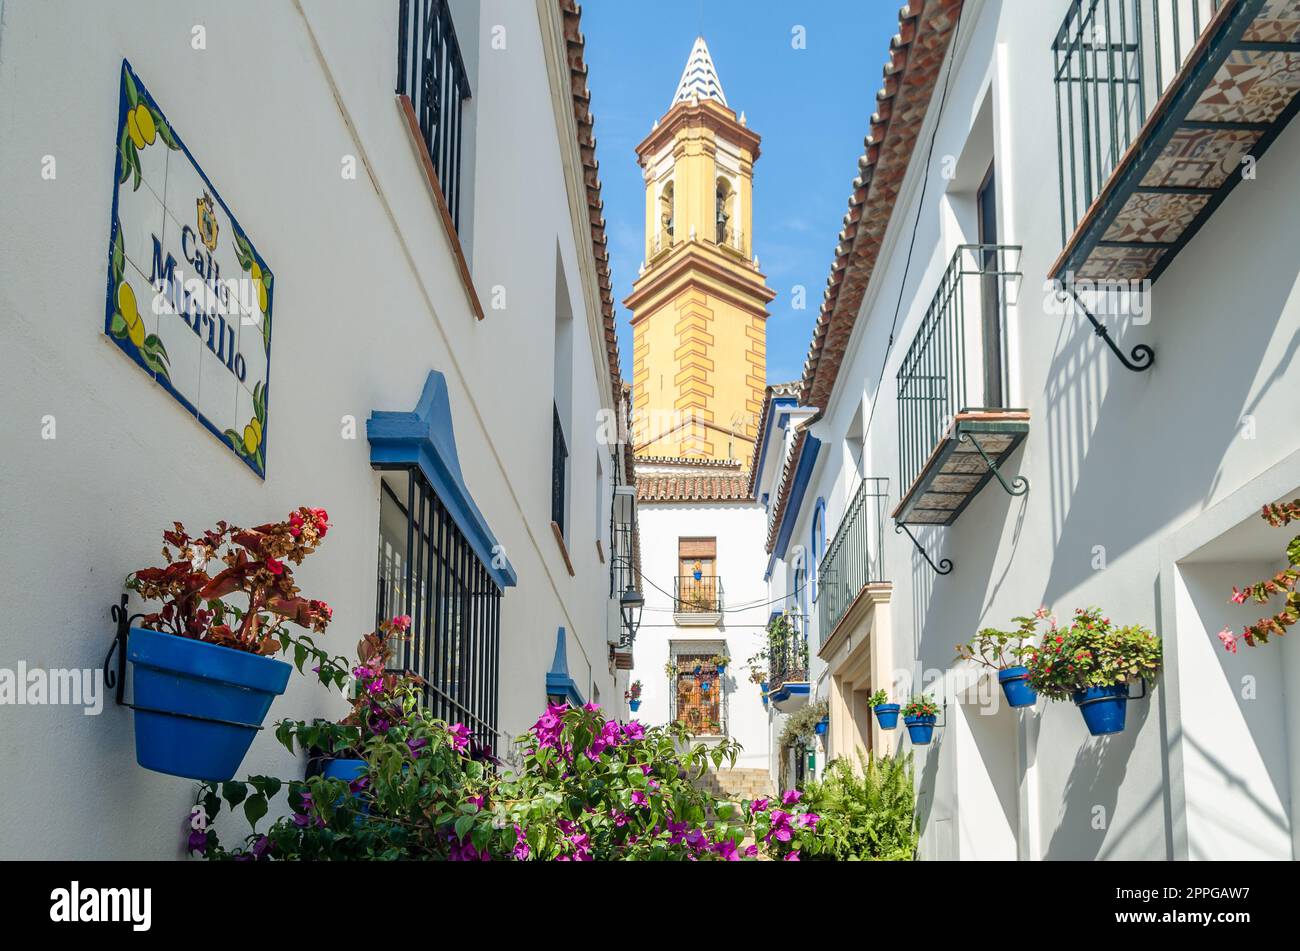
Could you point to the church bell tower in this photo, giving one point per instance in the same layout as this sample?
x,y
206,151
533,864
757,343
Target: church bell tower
x,y
699,305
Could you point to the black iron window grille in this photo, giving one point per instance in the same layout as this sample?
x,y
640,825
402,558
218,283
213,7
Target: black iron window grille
x,y
702,595
559,461
429,572
699,698
432,73
856,556
957,361
1113,61
787,653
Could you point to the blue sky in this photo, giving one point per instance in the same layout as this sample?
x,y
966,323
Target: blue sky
x,y
811,106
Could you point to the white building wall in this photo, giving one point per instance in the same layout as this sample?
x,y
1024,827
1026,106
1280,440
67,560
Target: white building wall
x,y
367,301
1117,461
740,531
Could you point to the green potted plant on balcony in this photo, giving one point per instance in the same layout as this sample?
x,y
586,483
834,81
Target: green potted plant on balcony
x,y
1005,651
920,715
1093,662
204,680
886,712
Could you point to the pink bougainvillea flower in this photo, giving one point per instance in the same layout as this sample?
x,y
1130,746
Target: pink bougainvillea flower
x,y
781,829
791,797
1239,597
459,733
521,852
1229,638
727,849
402,622
810,820
634,731
759,805
639,798
793,856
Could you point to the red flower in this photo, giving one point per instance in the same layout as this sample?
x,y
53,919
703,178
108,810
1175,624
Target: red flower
x,y
322,521
274,566
402,622
295,524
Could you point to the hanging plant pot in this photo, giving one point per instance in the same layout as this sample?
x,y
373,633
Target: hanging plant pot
x,y
1015,686
635,705
197,705
705,686
722,669
920,729
1103,708
697,670
887,715
821,725
344,769
763,688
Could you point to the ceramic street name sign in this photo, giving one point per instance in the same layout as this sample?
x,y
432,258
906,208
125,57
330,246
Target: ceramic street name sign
x,y
189,298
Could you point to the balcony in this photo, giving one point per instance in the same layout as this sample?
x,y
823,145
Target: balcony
x,y
787,663
855,557
1162,106
955,431
697,602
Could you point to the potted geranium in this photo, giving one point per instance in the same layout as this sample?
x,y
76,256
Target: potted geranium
x,y
920,715
204,679
1004,651
633,696
886,712
1093,662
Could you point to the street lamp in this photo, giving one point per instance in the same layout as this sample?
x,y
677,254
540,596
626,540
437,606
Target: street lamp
x,y
630,604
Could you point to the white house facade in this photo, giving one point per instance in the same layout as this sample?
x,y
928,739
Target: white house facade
x,y
984,442
417,338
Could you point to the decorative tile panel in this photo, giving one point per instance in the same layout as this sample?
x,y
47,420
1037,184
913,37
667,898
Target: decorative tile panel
x,y
1155,217
1251,86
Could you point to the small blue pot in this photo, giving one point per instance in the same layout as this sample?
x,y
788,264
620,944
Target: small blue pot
x,y
344,769
635,705
820,728
722,669
763,687
197,705
920,729
1015,686
705,686
887,715
1103,708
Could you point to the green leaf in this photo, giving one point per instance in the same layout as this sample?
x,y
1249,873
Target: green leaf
x,y
234,793
299,656
132,93
119,257
165,130
462,826
118,326
255,807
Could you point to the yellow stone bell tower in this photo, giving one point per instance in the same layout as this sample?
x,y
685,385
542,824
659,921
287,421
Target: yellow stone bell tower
x,y
699,305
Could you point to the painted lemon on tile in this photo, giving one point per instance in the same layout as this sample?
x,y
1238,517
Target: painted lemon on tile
x,y
256,274
126,306
253,435
141,127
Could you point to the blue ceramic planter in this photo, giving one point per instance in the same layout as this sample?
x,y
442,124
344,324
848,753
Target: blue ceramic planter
x,y
1103,708
763,688
920,729
344,769
887,716
198,706
1015,686
820,728
635,705
722,669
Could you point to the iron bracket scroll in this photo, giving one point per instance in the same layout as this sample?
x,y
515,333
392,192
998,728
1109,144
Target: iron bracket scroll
x,y
115,673
1018,486
1139,359
944,567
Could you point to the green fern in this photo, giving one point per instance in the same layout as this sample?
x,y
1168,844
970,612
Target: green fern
x,y
866,813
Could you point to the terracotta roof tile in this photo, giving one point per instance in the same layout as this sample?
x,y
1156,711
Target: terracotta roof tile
x,y
575,43
692,488
916,57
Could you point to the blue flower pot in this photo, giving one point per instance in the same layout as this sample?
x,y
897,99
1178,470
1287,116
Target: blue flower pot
x,y
635,705
763,688
722,669
887,715
704,686
920,729
197,705
820,728
344,769
1103,708
1015,686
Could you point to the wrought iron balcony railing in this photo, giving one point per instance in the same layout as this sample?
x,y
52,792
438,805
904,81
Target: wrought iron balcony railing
x,y
702,595
1114,59
957,360
855,557
432,73
787,654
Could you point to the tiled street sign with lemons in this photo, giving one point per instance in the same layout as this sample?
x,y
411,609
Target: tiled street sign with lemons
x,y
189,297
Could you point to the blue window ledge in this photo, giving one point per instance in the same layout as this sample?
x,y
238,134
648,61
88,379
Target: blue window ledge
x,y
558,681
424,438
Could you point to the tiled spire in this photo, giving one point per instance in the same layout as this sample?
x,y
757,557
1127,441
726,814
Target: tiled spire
x,y
699,78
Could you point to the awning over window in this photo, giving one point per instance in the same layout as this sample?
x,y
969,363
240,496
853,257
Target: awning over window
x,y
425,438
